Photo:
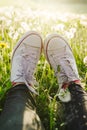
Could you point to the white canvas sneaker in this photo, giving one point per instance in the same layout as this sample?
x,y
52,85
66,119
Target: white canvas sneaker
x,y
25,58
60,57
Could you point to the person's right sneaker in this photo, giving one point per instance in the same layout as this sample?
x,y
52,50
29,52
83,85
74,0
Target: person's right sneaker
x,y
25,58
60,57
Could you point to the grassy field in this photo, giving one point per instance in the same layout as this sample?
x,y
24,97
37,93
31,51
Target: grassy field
x,y
14,22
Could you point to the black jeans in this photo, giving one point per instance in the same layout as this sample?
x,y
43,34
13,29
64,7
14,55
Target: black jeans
x,y
19,112
76,109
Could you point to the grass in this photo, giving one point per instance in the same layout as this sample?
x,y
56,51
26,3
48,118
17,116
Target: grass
x,y
14,22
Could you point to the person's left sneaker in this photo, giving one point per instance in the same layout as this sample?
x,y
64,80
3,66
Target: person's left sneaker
x,y
25,58
60,57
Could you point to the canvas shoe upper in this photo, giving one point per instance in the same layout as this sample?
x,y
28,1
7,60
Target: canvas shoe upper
x,y
60,57
24,59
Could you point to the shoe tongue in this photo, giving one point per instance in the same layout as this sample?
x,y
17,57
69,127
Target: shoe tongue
x,y
64,95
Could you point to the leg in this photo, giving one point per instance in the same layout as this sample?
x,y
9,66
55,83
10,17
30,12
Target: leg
x,y
19,111
70,92
76,109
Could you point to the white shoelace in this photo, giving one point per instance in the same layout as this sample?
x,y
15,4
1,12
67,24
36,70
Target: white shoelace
x,y
64,71
59,71
28,64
